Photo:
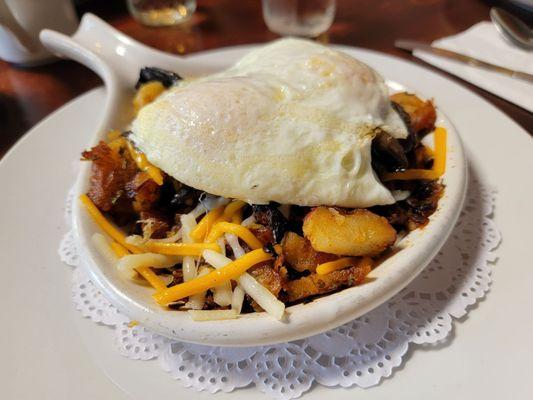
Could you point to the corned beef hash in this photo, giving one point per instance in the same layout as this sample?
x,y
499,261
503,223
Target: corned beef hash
x,y
283,178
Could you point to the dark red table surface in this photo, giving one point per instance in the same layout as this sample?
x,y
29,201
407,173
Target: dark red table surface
x,y
27,95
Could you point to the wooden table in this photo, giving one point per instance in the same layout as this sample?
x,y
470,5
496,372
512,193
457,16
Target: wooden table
x,y
29,94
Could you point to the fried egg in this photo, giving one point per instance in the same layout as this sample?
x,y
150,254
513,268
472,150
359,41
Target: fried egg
x,y
291,122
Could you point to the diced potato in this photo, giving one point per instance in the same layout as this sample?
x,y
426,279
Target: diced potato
x,y
315,284
147,93
356,233
300,255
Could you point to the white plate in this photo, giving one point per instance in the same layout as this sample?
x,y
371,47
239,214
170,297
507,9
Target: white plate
x,y
50,352
118,60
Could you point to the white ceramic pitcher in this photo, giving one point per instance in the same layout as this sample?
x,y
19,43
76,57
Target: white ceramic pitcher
x,y
20,24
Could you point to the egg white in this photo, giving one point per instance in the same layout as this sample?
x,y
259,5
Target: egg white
x,y
291,122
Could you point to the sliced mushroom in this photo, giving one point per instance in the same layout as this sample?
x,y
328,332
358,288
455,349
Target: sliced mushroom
x,y
150,74
388,153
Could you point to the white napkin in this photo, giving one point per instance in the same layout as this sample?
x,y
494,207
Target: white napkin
x,y
483,41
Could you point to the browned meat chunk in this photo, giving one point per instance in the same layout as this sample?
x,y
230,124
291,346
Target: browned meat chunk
x,y
267,276
110,173
421,113
300,255
422,158
423,203
315,284
155,225
143,191
177,277
387,153
263,233
414,212
269,216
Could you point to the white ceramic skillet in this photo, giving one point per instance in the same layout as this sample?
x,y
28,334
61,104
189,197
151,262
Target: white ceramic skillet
x,y
118,59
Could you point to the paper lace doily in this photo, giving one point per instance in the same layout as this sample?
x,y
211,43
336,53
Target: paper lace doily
x,y
359,353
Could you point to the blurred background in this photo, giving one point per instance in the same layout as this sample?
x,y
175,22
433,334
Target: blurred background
x,y
28,94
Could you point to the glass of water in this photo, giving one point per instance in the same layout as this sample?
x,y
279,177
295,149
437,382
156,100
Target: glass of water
x,y
161,12
308,18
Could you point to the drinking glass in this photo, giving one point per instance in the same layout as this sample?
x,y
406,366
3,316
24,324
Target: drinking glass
x,y
308,18
161,12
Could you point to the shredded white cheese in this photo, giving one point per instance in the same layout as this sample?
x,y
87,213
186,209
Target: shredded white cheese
x,y
188,223
233,242
127,265
237,299
136,240
222,293
254,289
196,301
262,296
222,244
208,203
248,221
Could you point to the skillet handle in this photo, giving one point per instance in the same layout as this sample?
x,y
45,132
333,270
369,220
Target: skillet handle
x,y
116,58
86,47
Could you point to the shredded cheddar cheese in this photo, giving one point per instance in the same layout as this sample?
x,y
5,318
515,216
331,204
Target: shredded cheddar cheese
x,y
439,163
147,93
150,276
231,212
232,208
341,263
112,135
115,140
133,323
117,144
440,137
144,165
107,226
237,217
119,250
410,174
200,284
238,230
180,249
201,231
365,263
